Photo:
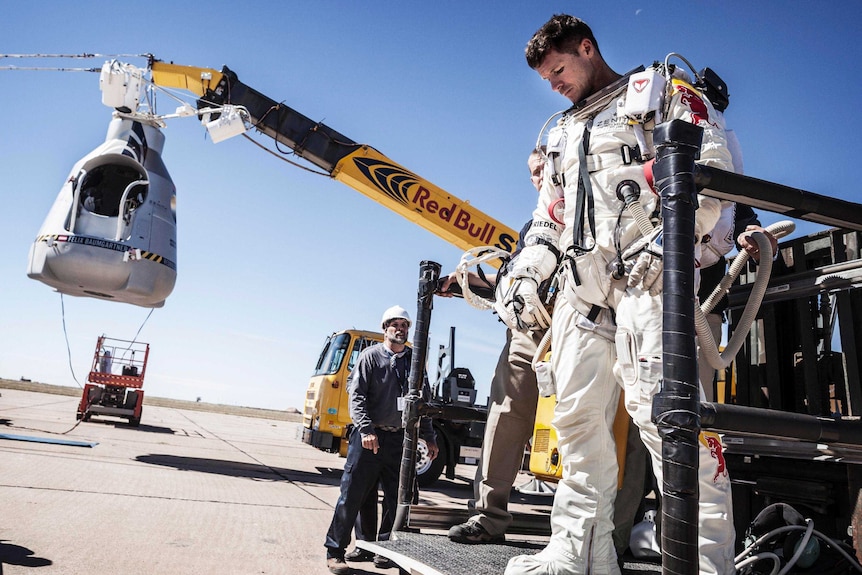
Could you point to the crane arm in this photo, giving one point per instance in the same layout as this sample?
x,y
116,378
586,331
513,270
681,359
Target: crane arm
x,y
189,78
359,166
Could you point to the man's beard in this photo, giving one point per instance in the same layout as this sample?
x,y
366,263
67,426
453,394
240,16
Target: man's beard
x,y
399,339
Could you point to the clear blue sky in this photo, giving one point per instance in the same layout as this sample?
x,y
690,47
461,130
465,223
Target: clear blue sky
x,y
272,258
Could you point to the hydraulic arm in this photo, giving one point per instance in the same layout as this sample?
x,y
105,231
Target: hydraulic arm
x,y
357,165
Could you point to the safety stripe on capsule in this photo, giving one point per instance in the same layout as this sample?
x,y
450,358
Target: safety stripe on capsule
x,y
108,245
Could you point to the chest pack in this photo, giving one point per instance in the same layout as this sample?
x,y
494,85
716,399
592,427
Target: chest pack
x,y
642,100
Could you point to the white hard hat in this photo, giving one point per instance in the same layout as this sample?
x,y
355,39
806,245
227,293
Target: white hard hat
x,y
394,312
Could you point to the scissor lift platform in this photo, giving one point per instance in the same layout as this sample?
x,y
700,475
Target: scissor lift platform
x,y
115,380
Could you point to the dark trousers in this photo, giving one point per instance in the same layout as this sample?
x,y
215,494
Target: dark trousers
x,y
363,471
366,523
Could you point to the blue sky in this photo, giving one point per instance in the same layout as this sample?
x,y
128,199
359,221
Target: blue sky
x,y
272,258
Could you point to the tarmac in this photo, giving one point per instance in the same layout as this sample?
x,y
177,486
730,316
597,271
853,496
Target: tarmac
x,y
188,491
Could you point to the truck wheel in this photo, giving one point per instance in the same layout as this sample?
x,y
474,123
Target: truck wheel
x,y
428,470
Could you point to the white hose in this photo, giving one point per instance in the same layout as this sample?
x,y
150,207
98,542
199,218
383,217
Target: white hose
x,y
708,346
544,346
788,528
473,258
776,561
800,548
544,374
778,229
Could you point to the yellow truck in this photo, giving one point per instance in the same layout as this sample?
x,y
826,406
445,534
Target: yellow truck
x,y
326,420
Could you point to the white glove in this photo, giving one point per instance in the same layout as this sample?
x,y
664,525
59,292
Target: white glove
x,y
518,303
643,260
545,379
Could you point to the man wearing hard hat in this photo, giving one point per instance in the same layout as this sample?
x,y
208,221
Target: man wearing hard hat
x,y
376,392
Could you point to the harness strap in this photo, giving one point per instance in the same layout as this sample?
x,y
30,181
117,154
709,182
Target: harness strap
x,y
607,160
585,200
594,313
540,241
481,273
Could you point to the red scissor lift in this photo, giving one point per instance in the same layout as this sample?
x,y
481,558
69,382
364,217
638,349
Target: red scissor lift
x,y
115,380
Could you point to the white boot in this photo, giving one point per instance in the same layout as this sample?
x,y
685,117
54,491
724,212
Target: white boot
x,y
554,560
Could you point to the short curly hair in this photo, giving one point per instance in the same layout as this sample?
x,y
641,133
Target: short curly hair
x,y
562,33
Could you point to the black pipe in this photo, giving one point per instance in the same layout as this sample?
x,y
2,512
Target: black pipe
x,y
429,272
791,202
780,424
674,409
452,411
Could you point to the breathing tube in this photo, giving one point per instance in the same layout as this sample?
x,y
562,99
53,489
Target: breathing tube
x,y
628,191
708,346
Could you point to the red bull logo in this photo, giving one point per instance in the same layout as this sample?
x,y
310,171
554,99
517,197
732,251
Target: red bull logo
x,y
440,211
458,217
716,450
692,100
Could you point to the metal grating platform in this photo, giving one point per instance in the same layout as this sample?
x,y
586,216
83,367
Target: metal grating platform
x,y
425,554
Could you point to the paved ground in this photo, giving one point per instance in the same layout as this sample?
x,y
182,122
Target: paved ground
x,y
290,414
186,492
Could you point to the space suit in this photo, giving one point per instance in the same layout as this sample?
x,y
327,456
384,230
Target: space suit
x,y
582,223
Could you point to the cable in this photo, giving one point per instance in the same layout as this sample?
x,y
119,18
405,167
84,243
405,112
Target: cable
x,y
800,548
788,528
690,67
146,319
170,93
66,335
291,162
135,339
48,69
84,55
542,132
71,368
65,56
154,87
776,560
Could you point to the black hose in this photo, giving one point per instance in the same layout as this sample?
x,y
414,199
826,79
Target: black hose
x,y
674,409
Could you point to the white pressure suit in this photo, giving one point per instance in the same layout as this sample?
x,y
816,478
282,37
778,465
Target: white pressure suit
x,y
589,367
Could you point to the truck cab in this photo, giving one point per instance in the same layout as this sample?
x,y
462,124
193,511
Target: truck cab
x,y
326,415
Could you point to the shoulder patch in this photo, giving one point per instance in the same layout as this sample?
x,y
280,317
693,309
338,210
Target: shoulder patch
x,y
692,99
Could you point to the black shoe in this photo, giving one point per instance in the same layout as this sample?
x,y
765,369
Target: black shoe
x,y
472,532
382,562
337,565
358,555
